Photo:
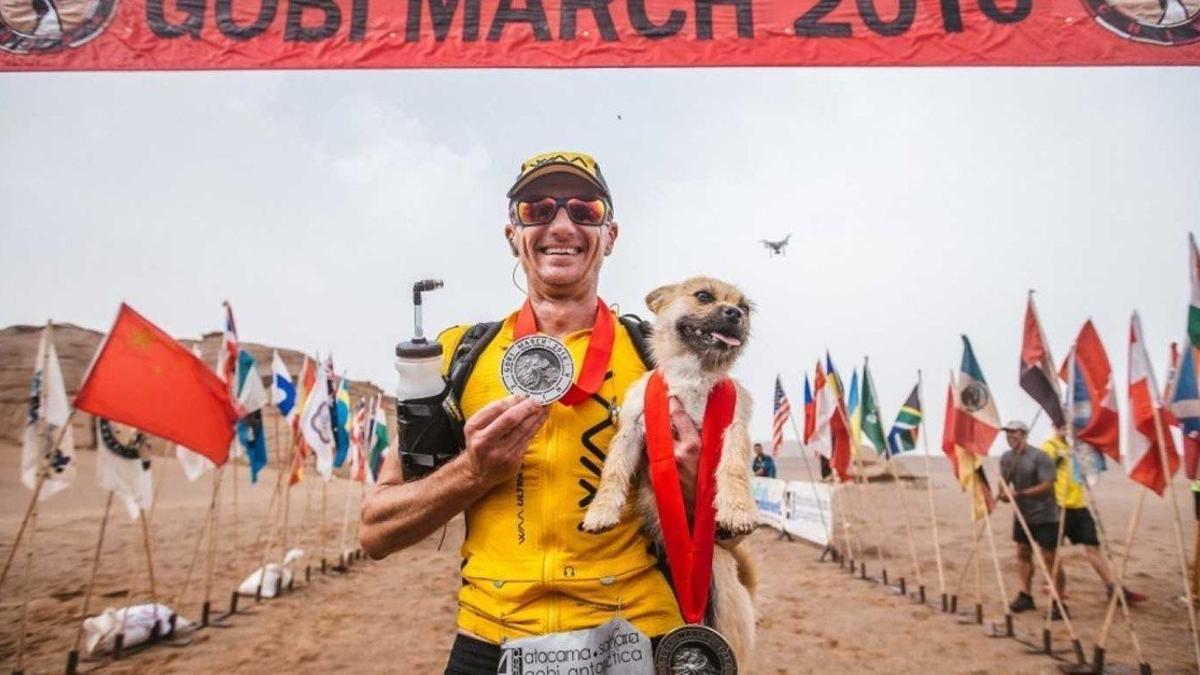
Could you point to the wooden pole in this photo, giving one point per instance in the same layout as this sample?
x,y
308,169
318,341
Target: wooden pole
x,y
812,481
1118,590
214,521
912,547
860,482
1177,522
972,557
269,526
1054,571
321,531
991,540
28,587
37,491
345,527
1119,586
937,545
146,543
237,548
73,656
33,499
1041,565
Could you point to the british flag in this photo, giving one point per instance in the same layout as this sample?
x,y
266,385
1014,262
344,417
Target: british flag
x,y
782,410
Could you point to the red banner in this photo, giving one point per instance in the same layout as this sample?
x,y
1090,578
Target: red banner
x,y
224,34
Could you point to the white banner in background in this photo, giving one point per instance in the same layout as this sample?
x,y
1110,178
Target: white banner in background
x,y
768,496
808,511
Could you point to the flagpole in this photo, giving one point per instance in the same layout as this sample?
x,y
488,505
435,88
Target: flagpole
x,y
991,540
1118,588
811,479
321,531
972,557
342,561
937,545
860,481
73,655
1041,565
150,567
213,523
1119,585
912,547
29,548
1177,522
268,528
37,490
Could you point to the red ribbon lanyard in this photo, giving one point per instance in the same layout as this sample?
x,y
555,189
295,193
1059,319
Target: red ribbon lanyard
x,y
595,360
688,557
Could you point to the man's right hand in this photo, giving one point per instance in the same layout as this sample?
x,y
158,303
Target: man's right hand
x,y
498,436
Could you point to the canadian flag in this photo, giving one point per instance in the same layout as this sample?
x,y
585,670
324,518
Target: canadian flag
x,y
1147,426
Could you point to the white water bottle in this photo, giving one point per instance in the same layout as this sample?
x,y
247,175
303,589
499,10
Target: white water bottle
x,y
419,361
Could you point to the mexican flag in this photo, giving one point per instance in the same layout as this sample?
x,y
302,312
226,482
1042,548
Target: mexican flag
x,y
976,421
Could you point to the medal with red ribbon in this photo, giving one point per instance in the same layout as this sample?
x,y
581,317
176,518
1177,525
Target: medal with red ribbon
x,y
541,367
689,555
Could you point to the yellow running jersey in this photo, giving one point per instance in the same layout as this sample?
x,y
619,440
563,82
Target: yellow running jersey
x,y
528,568
1067,491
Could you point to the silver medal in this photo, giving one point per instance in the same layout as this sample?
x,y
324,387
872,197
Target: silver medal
x,y
538,366
694,649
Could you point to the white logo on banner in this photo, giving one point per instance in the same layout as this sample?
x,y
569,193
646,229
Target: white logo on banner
x,y
799,508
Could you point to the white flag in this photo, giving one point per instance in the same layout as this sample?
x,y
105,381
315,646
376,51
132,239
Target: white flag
x,y
48,404
194,464
124,469
316,426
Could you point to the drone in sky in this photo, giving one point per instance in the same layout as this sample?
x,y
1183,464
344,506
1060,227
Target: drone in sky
x,y
776,247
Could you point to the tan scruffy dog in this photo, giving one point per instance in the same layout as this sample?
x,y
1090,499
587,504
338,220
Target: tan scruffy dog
x,y
700,328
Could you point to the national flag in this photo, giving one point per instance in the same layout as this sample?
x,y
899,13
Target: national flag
x,y
1144,463
810,409
305,382
358,458
1094,406
316,424
903,436
834,379
48,413
227,357
252,397
966,465
853,411
831,437
782,408
142,377
124,469
872,425
1037,368
283,390
1183,397
379,438
193,463
976,421
342,422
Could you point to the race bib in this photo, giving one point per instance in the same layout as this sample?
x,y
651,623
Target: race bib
x,y
614,648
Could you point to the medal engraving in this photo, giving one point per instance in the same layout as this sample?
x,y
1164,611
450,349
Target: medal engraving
x,y
539,367
694,650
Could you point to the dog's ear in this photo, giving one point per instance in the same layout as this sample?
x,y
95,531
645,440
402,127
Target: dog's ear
x,y
658,297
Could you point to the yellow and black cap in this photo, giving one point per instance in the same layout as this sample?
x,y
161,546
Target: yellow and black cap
x,y
578,164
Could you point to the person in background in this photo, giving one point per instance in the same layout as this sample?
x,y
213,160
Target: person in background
x,y
1079,527
763,465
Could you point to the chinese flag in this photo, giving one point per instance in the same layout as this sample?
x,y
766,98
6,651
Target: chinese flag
x,y
144,378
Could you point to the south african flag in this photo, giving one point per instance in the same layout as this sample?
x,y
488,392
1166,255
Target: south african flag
x,y
903,436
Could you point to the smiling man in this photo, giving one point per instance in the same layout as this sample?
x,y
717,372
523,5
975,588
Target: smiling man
x,y
529,471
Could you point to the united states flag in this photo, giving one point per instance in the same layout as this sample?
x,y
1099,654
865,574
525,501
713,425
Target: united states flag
x,y
782,410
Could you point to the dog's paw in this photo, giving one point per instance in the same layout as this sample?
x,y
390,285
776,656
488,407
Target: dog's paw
x,y
600,520
737,519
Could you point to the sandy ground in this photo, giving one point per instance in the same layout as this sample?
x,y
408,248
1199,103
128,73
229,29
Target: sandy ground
x,y
398,615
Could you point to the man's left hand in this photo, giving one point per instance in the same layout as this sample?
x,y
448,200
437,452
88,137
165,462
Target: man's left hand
x,y
687,451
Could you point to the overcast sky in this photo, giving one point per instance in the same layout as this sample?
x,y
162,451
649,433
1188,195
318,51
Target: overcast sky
x,y
922,204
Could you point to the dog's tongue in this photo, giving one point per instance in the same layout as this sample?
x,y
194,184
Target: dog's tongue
x,y
732,342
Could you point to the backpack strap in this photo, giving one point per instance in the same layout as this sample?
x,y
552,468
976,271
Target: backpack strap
x,y
640,332
466,354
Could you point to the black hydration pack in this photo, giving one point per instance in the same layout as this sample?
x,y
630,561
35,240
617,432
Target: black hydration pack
x,y
430,430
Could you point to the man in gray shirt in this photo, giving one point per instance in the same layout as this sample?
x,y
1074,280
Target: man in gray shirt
x,y
1029,473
